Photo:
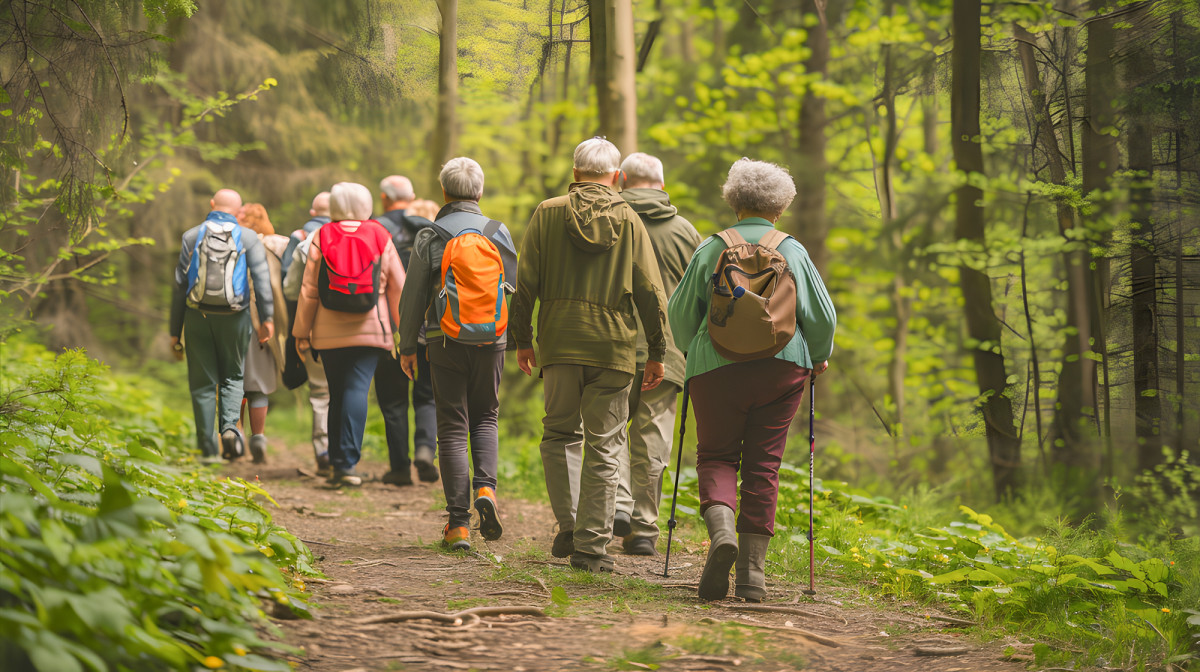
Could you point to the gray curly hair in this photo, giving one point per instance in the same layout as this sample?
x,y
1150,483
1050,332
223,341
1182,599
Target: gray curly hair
x,y
758,186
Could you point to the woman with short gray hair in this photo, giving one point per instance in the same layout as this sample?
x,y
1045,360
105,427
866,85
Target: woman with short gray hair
x,y
744,394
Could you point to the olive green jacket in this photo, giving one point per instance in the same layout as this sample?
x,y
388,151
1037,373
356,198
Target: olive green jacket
x,y
587,259
674,239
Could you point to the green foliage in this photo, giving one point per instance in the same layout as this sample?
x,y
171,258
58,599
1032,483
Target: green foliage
x,y
116,550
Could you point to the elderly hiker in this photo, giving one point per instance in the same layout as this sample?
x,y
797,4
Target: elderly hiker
x,y
651,413
314,369
749,352
264,361
586,257
348,309
391,385
460,270
318,216
217,261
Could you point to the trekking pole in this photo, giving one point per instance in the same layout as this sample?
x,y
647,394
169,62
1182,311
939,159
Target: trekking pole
x,y
678,466
812,453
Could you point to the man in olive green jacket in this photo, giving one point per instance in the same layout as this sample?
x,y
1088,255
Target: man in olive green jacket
x,y
652,413
586,257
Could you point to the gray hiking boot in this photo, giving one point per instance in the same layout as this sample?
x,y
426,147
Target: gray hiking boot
x,y
639,546
722,552
591,563
423,459
750,575
258,448
622,525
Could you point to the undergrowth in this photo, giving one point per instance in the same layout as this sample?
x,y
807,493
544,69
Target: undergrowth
x,y
117,551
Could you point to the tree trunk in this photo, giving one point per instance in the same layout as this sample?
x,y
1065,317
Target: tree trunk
x,y
445,133
1004,447
598,47
622,82
809,220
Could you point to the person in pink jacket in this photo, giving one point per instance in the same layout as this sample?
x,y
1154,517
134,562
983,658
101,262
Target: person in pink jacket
x,y
350,344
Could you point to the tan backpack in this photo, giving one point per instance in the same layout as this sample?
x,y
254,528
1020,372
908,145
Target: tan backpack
x,y
752,309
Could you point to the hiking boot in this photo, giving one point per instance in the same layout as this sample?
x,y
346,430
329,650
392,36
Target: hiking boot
x,y
233,444
456,538
423,460
587,562
564,544
750,576
489,517
639,546
722,552
398,478
345,478
258,448
324,468
622,525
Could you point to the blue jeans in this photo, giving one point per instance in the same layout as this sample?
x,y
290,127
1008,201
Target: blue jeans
x,y
349,371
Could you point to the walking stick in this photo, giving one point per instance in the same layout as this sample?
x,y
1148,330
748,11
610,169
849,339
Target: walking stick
x,y
812,454
678,466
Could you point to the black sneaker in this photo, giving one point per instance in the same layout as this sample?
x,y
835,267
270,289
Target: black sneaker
x,y
622,525
398,478
324,468
233,445
639,546
345,478
564,544
596,564
423,459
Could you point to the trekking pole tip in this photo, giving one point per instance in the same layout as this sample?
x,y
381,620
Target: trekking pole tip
x,y
806,591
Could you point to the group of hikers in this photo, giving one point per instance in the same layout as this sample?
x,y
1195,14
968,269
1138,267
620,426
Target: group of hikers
x,y
438,299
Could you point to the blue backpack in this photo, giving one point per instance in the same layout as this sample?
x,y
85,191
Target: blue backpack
x,y
217,276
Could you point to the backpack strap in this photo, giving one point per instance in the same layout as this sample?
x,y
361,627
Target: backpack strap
x,y
731,238
773,239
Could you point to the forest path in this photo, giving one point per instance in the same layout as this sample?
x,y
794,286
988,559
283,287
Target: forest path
x,y
378,547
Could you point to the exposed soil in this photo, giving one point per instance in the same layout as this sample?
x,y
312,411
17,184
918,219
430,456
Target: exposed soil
x,y
378,546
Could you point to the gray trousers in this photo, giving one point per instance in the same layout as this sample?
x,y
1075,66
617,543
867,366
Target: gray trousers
x,y
318,398
466,386
651,424
215,345
587,408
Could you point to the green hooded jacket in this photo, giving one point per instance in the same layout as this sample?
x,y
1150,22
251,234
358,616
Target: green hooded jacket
x,y
587,259
674,239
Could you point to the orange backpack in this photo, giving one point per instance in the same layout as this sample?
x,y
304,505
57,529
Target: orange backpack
x,y
470,306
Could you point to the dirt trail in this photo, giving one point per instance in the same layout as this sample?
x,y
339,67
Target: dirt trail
x,y
377,546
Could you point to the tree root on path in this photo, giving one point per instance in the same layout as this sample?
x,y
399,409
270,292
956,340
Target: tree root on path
x,y
780,609
453,619
951,621
939,650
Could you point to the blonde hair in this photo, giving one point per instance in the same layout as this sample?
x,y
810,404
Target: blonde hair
x,y
424,208
254,217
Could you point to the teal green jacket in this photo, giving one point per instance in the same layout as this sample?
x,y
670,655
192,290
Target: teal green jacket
x,y
688,308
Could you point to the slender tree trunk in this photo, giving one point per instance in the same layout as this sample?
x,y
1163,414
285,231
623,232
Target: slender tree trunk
x,y
445,133
898,367
809,219
1004,447
598,46
622,69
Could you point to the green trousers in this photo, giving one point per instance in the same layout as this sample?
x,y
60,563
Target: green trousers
x,y
651,423
215,345
587,408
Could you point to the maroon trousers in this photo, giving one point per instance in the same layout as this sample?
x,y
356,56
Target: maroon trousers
x,y
743,412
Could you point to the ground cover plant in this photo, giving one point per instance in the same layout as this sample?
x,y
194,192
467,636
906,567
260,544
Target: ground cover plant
x,y
116,550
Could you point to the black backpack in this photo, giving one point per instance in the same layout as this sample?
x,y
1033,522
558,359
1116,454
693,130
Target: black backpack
x,y
403,228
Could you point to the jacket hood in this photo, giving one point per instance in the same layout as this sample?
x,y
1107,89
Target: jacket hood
x,y
650,204
593,226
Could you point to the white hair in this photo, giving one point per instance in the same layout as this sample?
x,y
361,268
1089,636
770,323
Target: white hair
x,y
462,179
758,186
349,200
597,156
397,188
641,170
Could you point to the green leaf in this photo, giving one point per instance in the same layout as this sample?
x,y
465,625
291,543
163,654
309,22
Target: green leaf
x,y
558,595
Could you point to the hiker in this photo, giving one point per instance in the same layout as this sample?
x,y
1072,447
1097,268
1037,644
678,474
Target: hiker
x,y
264,361
314,369
423,207
746,379
585,255
208,311
347,314
318,215
466,338
391,385
651,413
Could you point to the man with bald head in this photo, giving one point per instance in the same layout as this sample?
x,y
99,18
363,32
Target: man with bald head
x,y
219,260
391,385
319,216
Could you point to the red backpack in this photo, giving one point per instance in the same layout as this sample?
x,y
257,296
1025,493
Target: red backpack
x,y
351,265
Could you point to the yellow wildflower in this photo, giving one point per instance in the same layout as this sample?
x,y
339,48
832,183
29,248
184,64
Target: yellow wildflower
x,y
239,650
1166,610
212,662
183,503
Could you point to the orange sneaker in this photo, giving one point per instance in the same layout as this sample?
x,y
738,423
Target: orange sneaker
x,y
456,538
489,516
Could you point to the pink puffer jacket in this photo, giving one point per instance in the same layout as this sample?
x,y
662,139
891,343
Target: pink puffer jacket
x,y
331,329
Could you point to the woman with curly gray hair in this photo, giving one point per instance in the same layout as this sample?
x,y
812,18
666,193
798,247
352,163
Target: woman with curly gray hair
x,y
745,395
